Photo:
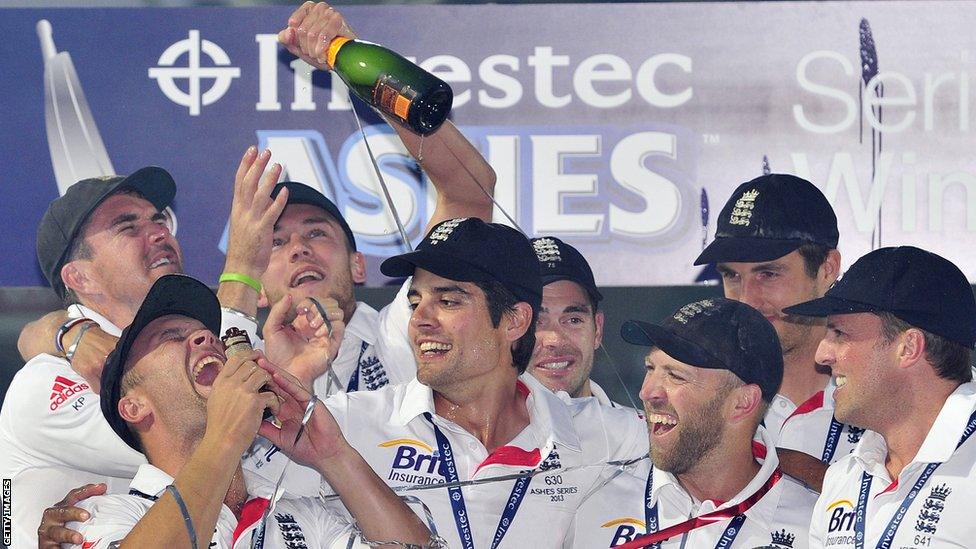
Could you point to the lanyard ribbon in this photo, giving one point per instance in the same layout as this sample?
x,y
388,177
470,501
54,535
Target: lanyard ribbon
x,y
354,379
653,538
448,470
862,499
833,435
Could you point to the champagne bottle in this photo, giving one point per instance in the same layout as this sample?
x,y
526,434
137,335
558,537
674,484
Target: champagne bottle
x,y
391,83
236,341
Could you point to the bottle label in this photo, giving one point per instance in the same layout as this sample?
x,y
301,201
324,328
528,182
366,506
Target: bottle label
x,y
391,96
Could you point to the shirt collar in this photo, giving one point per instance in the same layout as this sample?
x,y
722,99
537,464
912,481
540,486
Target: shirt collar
x,y
150,480
762,511
943,437
80,311
600,395
940,442
548,413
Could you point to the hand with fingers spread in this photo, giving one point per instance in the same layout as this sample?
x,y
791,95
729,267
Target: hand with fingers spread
x,y
52,532
298,338
321,439
311,28
238,400
253,214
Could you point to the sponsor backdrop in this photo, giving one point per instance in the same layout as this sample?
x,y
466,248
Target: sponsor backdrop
x,y
610,126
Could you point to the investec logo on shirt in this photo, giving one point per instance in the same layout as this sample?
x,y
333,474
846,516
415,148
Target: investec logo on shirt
x,y
63,389
414,462
840,523
625,529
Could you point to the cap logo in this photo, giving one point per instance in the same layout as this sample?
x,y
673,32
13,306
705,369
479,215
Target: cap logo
x,y
742,211
547,251
689,311
444,230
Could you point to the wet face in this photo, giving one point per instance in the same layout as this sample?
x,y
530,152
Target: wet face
x,y
567,333
686,409
175,361
451,332
772,286
131,246
310,258
863,365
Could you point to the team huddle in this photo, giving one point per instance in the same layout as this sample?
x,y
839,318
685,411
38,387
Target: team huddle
x,y
803,409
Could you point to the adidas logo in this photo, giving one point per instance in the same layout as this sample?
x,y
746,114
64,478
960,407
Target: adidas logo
x,y
63,389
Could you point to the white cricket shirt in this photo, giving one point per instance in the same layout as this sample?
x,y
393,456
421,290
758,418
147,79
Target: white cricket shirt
x,y
941,514
812,429
614,513
293,524
573,438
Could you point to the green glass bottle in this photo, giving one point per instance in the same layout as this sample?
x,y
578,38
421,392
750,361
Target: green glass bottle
x,y
392,84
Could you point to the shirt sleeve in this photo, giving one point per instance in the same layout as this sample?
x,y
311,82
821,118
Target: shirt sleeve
x,y
111,520
59,421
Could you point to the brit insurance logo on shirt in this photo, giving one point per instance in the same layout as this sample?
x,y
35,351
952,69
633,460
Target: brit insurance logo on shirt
x,y
840,524
624,529
413,462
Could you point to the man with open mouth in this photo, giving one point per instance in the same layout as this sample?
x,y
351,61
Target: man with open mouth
x,y
901,326
712,370
170,393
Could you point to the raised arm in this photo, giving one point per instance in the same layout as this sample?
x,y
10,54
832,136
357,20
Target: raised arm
x,y
457,169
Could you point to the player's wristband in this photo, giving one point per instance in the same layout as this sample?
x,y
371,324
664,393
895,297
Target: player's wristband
x,y
65,328
70,351
186,514
243,279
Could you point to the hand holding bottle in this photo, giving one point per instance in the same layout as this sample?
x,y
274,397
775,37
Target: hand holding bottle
x,y
310,31
387,81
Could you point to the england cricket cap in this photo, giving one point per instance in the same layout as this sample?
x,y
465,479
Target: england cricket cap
x,y
66,215
919,287
769,217
560,261
469,250
172,294
720,334
300,193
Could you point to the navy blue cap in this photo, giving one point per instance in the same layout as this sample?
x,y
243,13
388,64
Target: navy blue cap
x,y
467,249
300,193
67,214
924,289
720,334
560,261
172,294
769,217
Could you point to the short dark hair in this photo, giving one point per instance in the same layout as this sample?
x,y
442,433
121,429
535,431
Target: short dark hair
x,y
951,360
813,255
500,301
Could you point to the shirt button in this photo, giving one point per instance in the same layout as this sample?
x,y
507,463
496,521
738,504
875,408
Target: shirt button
x,y
782,404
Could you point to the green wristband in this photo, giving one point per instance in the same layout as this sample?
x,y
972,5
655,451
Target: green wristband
x,y
243,279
